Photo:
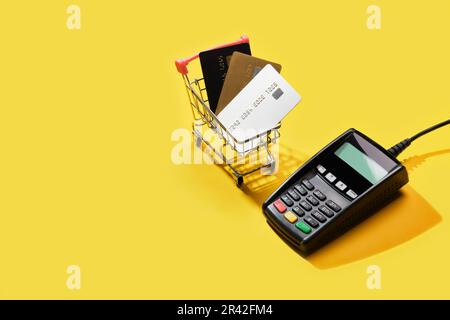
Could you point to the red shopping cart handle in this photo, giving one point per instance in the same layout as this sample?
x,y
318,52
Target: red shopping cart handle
x,y
181,64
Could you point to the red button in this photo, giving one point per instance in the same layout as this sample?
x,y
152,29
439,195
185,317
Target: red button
x,y
280,206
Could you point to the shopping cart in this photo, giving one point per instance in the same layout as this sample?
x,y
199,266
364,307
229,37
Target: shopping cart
x,y
240,158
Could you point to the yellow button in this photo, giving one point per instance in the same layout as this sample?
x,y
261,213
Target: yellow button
x,y
290,217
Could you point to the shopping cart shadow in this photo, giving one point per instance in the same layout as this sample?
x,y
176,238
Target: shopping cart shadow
x,y
404,218
259,187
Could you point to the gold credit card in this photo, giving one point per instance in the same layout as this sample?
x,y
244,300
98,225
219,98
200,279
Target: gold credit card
x,y
241,70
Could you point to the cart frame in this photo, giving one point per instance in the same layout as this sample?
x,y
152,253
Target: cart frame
x,y
234,154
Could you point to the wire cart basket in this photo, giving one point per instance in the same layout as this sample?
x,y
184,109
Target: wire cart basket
x,y
256,155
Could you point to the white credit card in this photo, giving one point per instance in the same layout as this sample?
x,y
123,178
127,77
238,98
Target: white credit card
x,y
263,102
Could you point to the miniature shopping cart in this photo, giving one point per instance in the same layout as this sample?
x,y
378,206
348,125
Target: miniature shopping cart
x,y
257,155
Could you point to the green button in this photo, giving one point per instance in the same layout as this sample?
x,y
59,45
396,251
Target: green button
x,y
303,227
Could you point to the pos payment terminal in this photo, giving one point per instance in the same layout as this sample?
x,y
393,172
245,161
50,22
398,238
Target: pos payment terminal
x,y
337,188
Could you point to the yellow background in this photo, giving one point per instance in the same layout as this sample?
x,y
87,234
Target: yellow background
x,y
86,177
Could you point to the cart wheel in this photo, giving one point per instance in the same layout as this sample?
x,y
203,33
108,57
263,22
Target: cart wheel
x,y
271,169
240,181
198,142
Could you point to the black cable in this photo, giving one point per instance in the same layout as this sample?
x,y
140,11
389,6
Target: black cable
x,y
399,147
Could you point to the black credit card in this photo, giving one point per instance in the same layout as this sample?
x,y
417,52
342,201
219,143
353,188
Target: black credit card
x,y
215,66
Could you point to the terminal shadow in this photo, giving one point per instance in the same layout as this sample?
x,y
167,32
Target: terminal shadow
x,y
406,216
